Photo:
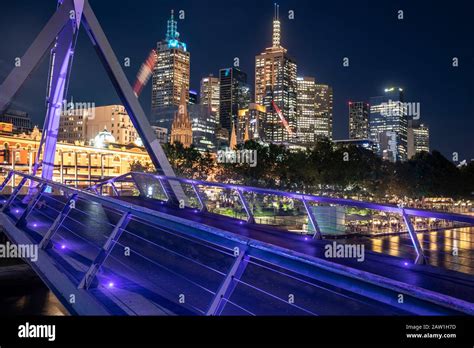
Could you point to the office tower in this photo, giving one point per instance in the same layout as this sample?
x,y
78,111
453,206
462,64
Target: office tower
x,y
209,94
323,111
388,124
181,129
193,97
306,116
358,120
20,120
204,124
234,95
171,72
251,121
418,138
275,82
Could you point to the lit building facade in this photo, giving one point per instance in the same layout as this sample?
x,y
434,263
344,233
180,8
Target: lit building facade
x,y
19,119
193,97
75,163
306,118
204,124
388,124
276,82
251,121
172,70
85,124
323,111
359,120
234,94
209,94
418,139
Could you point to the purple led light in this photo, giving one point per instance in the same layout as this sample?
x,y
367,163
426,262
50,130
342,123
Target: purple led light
x,y
305,238
110,285
405,263
63,246
17,211
35,225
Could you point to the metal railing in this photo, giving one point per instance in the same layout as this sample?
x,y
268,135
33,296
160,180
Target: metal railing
x,y
175,266
142,182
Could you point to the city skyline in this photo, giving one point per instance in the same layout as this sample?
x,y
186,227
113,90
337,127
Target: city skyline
x,y
295,39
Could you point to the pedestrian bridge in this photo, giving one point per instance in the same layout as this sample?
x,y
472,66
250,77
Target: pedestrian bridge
x,y
120,248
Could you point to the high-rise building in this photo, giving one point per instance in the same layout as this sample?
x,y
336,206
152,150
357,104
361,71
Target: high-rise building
x,y
181,129
204,124
251,121
193,97
306,118
418,138
275,82
358,120
234,94
388,124
323,111
172,69
209,94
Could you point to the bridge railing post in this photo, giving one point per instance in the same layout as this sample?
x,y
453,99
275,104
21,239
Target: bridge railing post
x,y
7,179
32,203
250,217
70,204
104,251
230,281
114,189
420,256
312,219
199,197
13,195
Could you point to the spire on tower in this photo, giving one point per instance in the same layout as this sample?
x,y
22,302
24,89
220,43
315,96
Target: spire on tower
x,y
172,28
276,27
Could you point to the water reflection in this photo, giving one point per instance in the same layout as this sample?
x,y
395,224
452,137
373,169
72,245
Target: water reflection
x,y
452,249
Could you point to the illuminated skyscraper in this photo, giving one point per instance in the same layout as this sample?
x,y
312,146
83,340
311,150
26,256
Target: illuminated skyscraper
x,y
388,124
275,81
358,120
306,119
418,138
323,111
209,94
234,94
171,72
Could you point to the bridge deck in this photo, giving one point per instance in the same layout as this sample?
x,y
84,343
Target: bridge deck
x,y
182,268
436,279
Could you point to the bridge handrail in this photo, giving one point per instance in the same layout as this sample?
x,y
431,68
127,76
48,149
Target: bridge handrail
x,y
308,197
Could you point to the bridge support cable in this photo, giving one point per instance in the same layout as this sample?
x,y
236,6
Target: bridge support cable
x,y
228,285
312,219
70,204
105,251
420,258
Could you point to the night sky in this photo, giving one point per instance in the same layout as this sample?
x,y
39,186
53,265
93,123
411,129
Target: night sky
x,y
415,53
